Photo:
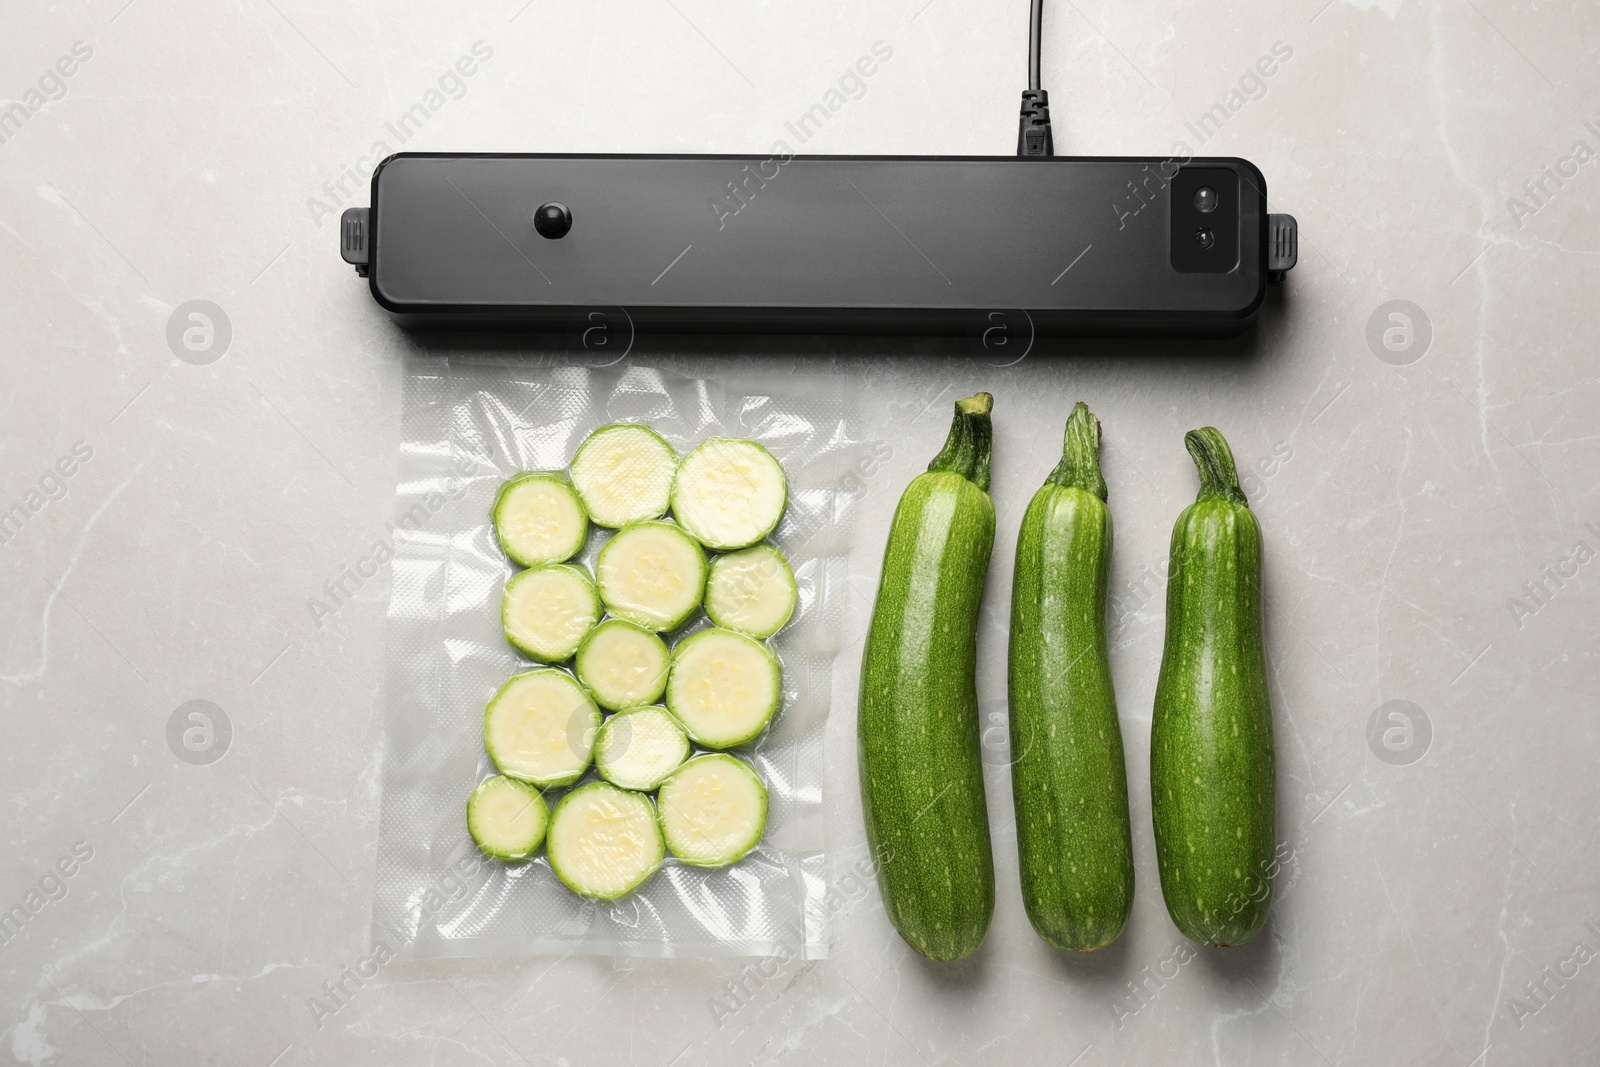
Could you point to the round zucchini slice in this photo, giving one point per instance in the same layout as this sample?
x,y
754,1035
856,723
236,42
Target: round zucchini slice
x,y
623,664
713,811
540,728
652,573
729,493
724,687
751,590
547,611
624,473
604,841
637,749
539,519
507,818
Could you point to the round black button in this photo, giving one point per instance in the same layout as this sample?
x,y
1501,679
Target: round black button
x,y
552,220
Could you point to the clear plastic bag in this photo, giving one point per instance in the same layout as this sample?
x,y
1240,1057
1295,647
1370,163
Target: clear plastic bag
x,y
467,427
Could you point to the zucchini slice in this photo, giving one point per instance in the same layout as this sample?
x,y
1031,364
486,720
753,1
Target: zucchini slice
x,y
548,610
624,473
724,687
539,519
729,493
540,728
713,811
752,590
652,573
604,841
507,818
637,749
623,664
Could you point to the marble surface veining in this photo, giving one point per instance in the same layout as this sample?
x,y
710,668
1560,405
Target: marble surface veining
x,y
1416,412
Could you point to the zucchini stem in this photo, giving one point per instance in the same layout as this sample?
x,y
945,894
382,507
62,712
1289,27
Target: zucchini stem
x,y
1214,460
1080,454
967,450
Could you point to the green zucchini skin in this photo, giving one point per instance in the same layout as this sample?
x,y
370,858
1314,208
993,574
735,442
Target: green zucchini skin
x,y
921,771
1068,778
1213,789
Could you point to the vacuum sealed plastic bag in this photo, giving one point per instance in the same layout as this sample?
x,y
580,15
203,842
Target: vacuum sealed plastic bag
x,y
468,427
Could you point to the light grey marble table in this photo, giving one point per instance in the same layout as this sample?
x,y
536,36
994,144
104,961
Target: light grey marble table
x,y
1417,407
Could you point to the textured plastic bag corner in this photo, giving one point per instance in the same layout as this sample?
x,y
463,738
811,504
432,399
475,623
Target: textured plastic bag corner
x,y
467,427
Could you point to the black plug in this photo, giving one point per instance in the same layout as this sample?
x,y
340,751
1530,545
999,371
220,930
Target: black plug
x,y
1033,128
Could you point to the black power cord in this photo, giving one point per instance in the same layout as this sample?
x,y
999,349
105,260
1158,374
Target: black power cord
x,y
1035,27
1033,128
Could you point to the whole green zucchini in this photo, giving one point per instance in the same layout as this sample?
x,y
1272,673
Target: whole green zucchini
x,y
1212,780
921,773
1074,844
